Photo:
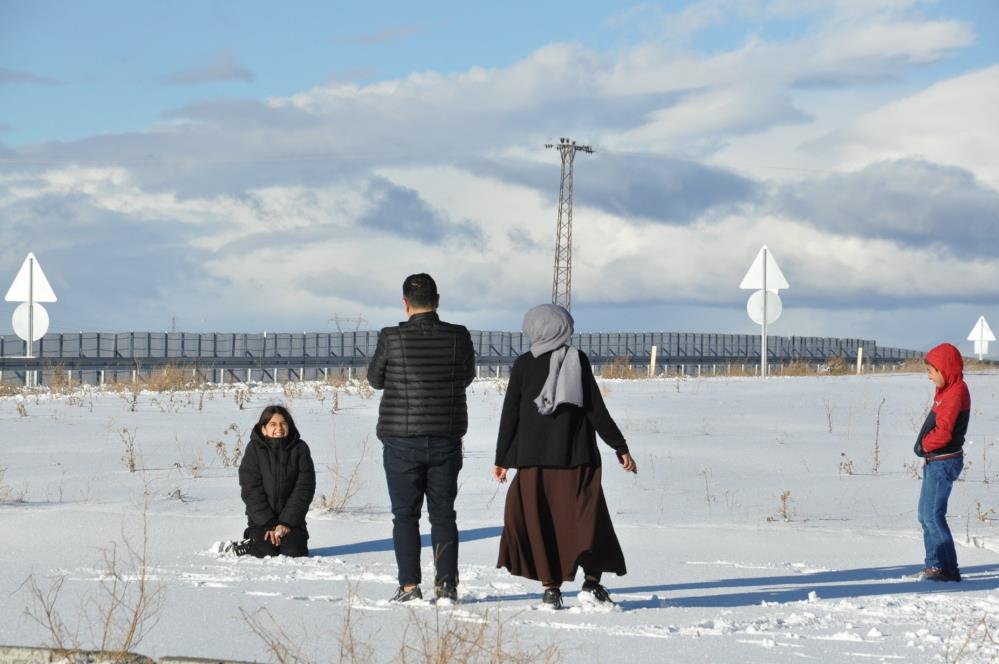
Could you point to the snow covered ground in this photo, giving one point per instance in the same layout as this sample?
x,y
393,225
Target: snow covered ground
x,y
720,567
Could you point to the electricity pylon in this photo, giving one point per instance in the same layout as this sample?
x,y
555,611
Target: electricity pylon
x,y
562,279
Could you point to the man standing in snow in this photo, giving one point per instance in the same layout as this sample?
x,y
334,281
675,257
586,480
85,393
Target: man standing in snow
x,y
424,366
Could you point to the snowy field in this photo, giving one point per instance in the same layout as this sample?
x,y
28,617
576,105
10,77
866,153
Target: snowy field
x,y
721,567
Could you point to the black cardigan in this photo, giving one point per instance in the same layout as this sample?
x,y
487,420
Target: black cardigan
x,y
564,439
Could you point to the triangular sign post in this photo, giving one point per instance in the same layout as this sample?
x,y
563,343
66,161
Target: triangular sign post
x,y
764,277
30,284
764,274
981,334
31,287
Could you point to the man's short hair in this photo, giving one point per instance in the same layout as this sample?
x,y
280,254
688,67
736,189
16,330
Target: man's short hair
x,y
420,291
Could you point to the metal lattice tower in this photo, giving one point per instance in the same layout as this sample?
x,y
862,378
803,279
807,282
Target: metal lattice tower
x,y
562,279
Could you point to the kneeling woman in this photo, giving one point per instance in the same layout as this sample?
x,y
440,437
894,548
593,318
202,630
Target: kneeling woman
x,y
277,481
556,518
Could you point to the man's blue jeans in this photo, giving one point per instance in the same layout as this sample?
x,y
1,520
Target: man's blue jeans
x,y
938,478
417,467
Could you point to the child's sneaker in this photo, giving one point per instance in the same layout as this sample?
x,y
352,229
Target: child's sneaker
x,y
937,574
403,595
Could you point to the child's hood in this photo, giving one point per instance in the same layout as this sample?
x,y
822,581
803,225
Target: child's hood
x,y
946,358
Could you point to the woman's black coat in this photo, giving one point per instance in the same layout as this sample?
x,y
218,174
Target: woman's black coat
x,y
564,439
277,480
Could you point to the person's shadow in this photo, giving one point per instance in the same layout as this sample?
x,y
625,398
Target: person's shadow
x,y
372,546
839,584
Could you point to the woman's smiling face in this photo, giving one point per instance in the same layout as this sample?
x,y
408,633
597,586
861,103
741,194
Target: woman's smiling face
x,y
276,427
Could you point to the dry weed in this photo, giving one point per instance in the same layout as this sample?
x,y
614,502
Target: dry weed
x,y
229,459
784,511
345,483
125,610
445,638
128,455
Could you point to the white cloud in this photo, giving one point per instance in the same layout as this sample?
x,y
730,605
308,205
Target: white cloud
x,y
950,122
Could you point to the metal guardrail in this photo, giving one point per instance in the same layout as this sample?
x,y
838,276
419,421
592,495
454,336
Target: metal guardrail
x,y
281,356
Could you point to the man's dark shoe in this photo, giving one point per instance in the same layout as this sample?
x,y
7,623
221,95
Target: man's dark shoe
x,y
403,595
552,598
597,592
446,590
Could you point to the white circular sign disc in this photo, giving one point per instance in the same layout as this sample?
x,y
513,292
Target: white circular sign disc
x,y
20,321
755,307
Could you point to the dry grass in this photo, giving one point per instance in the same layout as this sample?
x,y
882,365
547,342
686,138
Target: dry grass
x,y
440,637
169,378
126,608
915,365
622,367
837,366
444,638
798,368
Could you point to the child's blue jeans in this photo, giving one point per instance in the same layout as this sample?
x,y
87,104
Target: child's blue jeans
x,y
938,478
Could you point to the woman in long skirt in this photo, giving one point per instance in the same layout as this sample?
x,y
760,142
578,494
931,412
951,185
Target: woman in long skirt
x,y
556,519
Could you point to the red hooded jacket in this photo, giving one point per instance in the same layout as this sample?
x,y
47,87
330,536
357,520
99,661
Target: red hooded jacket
x,y
947,422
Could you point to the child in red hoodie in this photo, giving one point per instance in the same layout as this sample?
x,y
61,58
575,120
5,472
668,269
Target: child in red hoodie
x,y
940,443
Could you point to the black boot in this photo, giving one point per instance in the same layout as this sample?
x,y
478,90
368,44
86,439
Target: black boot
x,y
552,598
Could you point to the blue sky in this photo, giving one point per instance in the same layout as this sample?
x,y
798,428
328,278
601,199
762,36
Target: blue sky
x,y
188,158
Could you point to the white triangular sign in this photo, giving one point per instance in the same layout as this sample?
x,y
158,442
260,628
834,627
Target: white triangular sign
x,y
28,279
981,331
774,277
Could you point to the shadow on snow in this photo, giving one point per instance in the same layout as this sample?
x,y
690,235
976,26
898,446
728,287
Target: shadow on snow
x,y
373,546
840,584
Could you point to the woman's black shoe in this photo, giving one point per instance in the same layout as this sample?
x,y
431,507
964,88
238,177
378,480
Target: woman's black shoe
x,y
552,598
240,548
599,593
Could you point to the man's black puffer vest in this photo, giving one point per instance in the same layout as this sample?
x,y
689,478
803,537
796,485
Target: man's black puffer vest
x,y
424,366
277,480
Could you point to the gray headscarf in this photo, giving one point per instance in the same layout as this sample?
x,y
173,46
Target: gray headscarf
x,y
549,327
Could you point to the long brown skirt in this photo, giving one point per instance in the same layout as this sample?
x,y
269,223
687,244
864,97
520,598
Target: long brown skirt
x,y
555,521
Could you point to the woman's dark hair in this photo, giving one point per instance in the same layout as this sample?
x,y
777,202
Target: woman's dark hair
x,y
271,411
420,290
